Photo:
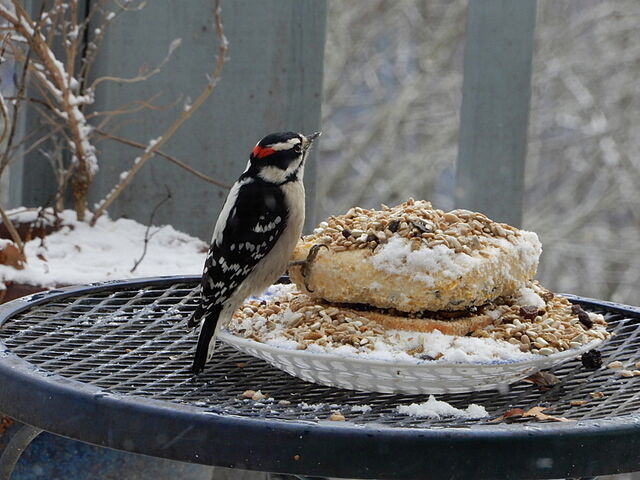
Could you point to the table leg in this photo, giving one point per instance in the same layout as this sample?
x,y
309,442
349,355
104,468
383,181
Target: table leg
x,y
16,445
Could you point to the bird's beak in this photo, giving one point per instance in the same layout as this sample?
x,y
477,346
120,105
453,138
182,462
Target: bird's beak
x,y
312,137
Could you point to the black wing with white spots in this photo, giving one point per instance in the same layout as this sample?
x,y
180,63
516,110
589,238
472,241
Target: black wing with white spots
x,y
253,227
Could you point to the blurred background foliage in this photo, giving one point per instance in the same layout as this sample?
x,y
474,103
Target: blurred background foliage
x,y
392,93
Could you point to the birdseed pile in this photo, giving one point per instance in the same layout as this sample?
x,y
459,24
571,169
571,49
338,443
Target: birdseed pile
x,y
460,230
292,320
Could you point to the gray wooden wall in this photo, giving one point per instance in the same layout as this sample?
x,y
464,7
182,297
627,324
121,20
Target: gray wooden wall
x,y
272,81
495,108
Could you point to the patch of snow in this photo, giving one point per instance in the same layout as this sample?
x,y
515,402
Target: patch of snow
x,y
152,143
27,215
175,43
73,33
361,408
396,256
312,406
433,408
526,296
79,254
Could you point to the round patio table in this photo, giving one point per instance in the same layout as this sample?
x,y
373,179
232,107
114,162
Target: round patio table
x,y
108,364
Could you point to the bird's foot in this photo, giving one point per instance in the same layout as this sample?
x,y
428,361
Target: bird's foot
x,y
305,265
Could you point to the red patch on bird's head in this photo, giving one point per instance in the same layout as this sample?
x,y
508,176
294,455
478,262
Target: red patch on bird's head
x,y
261,152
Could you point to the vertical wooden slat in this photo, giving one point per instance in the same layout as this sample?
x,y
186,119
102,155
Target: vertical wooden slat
x,y
495,107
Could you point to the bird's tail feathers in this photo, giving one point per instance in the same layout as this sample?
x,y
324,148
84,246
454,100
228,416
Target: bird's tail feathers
x,y
206,340
196,317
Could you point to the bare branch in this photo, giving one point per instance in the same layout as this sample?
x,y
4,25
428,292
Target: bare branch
x,y
15,236
122,110
180,163
127,7
140,78
148,236
5,119
6,158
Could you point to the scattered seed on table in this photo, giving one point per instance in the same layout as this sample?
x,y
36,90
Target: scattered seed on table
x,y
337,417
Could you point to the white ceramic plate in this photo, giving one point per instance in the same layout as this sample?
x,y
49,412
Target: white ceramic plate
x,y
419,377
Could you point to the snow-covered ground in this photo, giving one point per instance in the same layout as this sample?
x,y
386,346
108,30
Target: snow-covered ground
x,y
80,254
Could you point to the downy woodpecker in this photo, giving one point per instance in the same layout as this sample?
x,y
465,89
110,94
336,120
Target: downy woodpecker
x,y
255,234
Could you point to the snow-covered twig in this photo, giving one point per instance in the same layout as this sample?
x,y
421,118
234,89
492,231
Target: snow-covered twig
x,y
184,115
60,84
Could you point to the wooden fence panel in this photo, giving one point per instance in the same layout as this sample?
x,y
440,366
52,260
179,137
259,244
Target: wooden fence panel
x,y
495,107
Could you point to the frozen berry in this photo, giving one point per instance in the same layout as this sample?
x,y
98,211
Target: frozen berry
x,y
585,319
592,360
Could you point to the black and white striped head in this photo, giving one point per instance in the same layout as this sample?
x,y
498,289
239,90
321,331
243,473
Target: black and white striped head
x,y
279,157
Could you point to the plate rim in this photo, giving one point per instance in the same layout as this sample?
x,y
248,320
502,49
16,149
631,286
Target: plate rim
x,y
235,341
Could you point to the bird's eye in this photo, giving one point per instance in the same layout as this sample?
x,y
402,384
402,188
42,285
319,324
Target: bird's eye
x,y
297,149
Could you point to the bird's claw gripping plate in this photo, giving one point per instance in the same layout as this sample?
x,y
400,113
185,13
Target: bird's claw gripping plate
x,y
306,263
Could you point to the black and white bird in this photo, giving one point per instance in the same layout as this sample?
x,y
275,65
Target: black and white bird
x,y
254,237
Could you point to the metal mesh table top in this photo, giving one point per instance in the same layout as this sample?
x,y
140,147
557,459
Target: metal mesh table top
x,y
134,341
130,340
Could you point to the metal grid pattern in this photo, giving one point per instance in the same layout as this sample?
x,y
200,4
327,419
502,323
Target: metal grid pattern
x,y
133,340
